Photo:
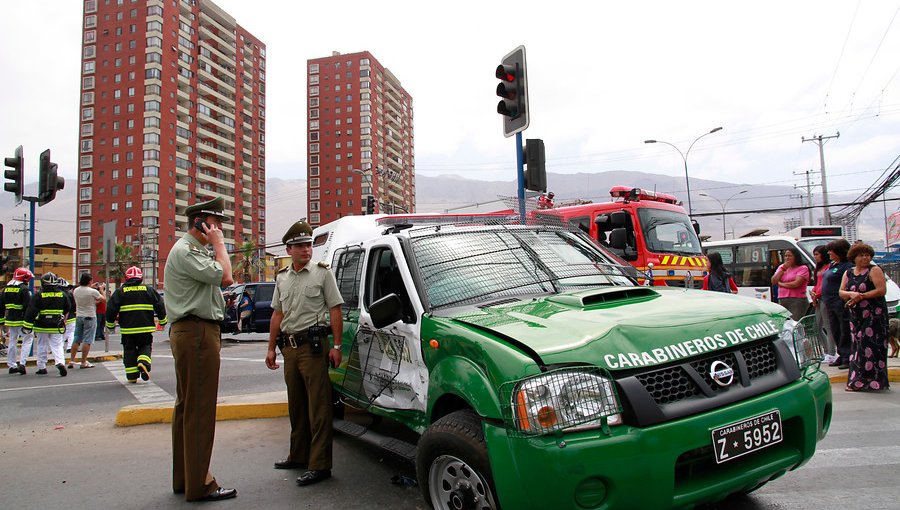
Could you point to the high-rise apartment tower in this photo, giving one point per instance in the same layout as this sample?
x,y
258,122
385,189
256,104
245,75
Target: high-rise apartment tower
x,y
360,139
172,112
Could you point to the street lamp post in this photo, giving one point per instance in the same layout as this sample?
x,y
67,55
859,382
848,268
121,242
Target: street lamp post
x,y
723,205
367,176
684,156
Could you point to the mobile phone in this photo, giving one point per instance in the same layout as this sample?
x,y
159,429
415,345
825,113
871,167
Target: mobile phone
x,y
199,225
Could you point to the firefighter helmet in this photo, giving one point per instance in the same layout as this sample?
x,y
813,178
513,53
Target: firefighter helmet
x,y
23,275
48,280
134,273
62,282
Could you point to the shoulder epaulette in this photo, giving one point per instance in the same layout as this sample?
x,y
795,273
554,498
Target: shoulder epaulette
x,y
283,269
324,264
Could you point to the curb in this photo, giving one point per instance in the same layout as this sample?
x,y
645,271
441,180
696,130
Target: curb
x,y
130,416
893,376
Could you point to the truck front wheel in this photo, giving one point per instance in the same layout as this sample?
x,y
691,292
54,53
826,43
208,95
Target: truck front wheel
x,y
452,464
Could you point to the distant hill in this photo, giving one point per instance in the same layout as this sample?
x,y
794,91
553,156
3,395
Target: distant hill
x,y
286,203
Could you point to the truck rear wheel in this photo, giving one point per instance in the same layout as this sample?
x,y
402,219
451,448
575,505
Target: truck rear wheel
x,y
452,464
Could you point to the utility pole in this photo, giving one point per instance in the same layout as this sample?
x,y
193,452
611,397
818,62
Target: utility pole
x,y
809,199
820,141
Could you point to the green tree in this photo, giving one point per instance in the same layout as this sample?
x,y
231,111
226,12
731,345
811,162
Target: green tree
x,y
124,258
246,262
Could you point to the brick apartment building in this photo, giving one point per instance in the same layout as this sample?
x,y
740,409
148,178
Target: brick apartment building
x,y
172,112
360,138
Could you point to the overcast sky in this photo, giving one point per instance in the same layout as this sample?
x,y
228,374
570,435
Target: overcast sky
x,y
603,77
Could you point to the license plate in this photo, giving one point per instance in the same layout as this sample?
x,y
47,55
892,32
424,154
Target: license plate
x,y
747,436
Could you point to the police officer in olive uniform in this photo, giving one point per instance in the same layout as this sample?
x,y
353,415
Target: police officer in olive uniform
x,y
14,301
195,306
46,315
306,296
134,305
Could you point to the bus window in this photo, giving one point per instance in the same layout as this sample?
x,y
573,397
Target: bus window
x,y
751,266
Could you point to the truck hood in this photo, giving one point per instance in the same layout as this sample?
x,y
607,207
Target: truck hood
x,y
625,328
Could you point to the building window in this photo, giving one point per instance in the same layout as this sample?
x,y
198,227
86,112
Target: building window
x,y
87,129
89,66
314,182
87,82
84,242
90,51
90,36
313,68
84,210
85,193
87,145
87,161
84,225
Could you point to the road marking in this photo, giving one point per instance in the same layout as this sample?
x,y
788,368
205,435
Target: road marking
x,y
56,386
147,392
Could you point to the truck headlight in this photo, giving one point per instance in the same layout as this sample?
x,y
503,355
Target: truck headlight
x,y
564,399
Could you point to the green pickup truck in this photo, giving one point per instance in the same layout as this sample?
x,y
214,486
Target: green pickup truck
x,y
538,374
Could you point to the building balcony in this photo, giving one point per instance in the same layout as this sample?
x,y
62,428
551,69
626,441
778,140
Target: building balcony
x,y
214,50
205,132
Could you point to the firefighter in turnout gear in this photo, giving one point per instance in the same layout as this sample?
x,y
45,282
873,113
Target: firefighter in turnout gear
x,y
14,300
134,305
46,315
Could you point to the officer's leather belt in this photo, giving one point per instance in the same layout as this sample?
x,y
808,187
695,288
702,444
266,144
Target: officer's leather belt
x,y
295,339
198,319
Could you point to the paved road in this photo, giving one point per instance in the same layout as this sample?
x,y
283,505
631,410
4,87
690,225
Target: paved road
x,y
59,447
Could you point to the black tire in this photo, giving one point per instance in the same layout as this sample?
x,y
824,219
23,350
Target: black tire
x,y
452,464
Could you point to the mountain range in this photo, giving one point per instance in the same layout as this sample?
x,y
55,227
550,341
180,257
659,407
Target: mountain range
x,y
286,203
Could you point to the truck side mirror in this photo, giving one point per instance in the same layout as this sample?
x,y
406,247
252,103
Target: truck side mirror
x,y
696,225
618,219
386,311
618,239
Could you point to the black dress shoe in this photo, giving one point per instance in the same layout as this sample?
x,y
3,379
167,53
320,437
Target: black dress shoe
x,y
835,363
42,371
13,370
289,464
21,368
844,366
220,494
314,476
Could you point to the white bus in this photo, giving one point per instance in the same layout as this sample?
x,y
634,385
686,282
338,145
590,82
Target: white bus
x,y
753,260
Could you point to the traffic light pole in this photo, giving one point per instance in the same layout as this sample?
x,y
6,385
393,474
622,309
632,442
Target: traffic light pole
x,y
520,167
31,201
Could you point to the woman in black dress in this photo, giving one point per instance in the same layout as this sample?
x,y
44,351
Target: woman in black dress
x,y
863,287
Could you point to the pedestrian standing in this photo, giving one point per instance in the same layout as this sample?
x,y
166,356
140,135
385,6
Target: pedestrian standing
x,y
14,301
837,313
46,315
306,296
195,306
718,279
820,253
69,334
134,305
791,278
863,287
101,312
86,300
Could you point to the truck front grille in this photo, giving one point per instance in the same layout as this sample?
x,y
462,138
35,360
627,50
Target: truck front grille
x,y
688,387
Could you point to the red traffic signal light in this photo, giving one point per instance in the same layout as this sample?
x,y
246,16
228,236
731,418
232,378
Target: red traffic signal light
x,y
16,164
370,205
48,182
513,89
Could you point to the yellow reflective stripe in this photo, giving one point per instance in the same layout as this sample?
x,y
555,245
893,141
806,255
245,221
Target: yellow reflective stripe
x,y
130,370
111,325
665,260
146,329
12,323
144,357
13,306
164,321
132,308
70,321
47,330
51,312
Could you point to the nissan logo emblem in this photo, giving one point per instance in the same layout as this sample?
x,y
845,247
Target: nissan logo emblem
x,y
721,373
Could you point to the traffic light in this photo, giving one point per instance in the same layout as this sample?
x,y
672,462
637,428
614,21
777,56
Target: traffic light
x,y
513,89
370,205
535,171
48,182
15,174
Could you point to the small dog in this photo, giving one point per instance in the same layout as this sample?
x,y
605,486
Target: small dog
x,y
894,337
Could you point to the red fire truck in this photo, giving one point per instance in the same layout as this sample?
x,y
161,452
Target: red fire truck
x,y
648,229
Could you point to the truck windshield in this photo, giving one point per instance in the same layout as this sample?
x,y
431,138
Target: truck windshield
x,y
475,264
668,232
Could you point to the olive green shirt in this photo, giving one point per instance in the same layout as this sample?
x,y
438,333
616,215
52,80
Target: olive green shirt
x,y
192,281
305,296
